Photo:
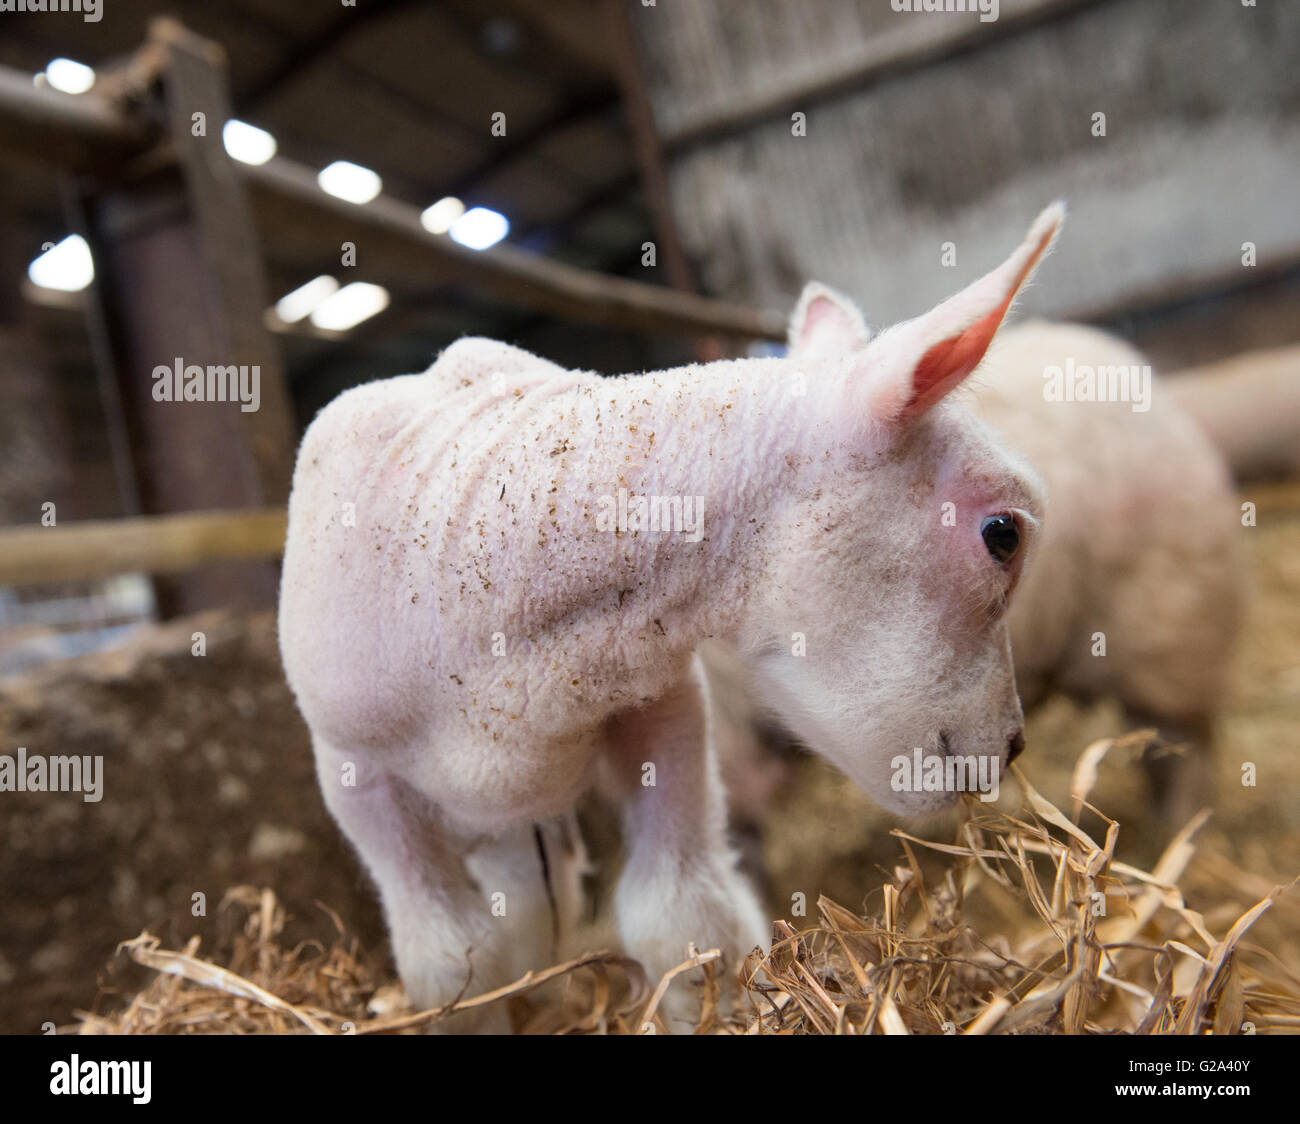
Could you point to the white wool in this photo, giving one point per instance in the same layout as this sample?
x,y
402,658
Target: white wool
x,y
470,644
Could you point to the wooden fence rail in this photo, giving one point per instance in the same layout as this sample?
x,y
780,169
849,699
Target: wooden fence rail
x,y
156,544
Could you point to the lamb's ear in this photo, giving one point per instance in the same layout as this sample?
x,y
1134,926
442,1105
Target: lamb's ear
x,y
825,322
918,362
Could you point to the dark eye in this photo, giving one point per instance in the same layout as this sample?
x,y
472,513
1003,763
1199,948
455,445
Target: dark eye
x,y
1001,536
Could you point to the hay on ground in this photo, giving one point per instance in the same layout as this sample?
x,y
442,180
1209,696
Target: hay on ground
x,y
1090,945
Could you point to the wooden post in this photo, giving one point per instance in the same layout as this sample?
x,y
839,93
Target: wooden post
x,y
179,273
650,160
645,143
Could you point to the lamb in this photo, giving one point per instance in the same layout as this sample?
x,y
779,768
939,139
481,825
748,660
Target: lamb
x,y
472,650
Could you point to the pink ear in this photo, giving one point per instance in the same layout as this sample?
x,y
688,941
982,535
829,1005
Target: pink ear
x,y
930,355
825,322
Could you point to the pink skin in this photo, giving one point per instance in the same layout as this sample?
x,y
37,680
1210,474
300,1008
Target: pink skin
x,y
471,647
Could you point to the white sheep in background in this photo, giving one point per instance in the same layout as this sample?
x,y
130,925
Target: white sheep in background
x,y
1136,589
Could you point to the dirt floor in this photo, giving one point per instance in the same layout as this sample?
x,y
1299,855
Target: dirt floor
x,y
209,785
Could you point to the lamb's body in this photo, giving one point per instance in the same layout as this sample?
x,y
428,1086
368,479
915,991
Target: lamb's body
x,y
470,634
467,636
476,601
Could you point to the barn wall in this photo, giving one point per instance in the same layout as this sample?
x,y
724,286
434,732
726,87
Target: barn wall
x,y
1202,151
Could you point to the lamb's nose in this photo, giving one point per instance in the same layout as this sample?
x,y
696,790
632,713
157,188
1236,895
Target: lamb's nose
x,y
1016,746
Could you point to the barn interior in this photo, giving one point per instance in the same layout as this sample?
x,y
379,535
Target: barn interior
x,y
333,194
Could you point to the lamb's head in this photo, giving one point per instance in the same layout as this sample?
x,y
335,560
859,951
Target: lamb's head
x,y
880,626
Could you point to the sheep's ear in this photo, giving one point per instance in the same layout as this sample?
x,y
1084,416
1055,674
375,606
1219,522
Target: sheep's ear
x,y
916,363
825,322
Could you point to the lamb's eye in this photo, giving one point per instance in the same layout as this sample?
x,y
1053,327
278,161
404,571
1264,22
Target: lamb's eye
x,y
1001,536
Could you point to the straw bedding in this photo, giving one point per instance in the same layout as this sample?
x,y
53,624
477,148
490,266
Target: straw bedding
x,y
1083,943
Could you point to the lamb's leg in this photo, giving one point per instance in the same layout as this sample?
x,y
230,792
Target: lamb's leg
x,y
680,884
511,877
440,924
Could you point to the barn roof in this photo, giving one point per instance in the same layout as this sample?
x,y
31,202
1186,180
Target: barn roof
x,y
408,89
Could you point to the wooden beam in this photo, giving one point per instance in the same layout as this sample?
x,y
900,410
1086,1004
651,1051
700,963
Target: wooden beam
x,y
521,145
285,194
78,132
152,544
286,197
914,43
309,52
589,99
